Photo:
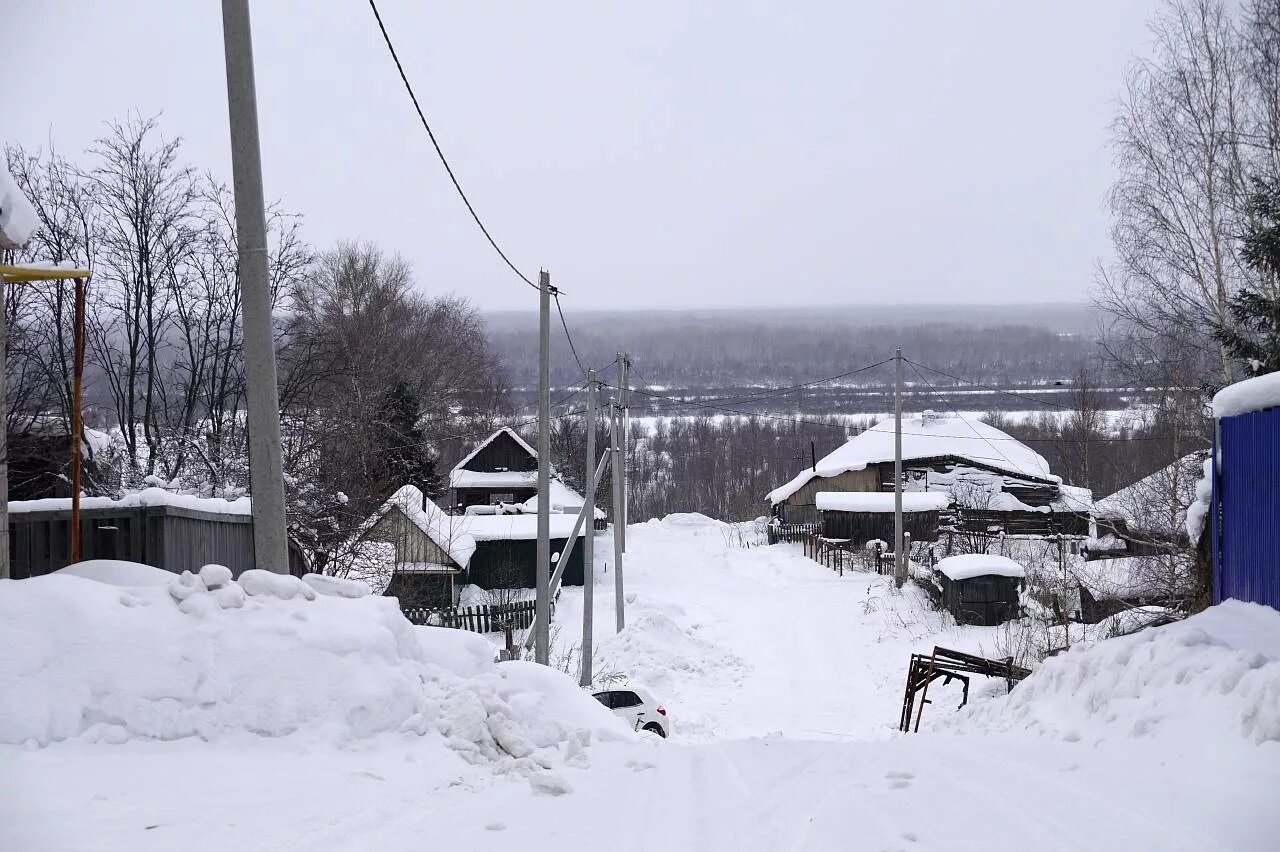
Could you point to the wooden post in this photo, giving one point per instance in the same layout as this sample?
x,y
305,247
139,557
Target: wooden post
x,y
77,420
924,694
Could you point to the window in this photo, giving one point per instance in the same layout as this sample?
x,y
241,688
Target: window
x,y
605,698
625,699
495,499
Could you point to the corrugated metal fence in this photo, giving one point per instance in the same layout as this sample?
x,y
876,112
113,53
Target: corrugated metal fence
x,y
1246,508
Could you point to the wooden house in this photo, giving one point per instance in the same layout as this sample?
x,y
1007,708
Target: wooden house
x,y
994,483
980,588
1110,586
1147,518
502,469
862,516
413,550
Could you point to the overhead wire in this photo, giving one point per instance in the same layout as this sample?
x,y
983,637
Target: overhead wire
x,y
386,37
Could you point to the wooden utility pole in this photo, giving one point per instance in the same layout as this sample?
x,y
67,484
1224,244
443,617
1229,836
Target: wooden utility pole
x,y
266,475
541,650
625,427
589,545
899,558
615,448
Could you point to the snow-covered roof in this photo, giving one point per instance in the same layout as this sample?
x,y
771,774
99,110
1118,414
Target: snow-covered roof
x,y
145,497
968,565
489,440
509,527
1250,395
18,221
927,436
449,532
459,478
1157,501
1128,577
880,501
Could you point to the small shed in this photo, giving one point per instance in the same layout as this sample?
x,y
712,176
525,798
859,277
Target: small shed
x,y
980,588
176,532
1245,492
863,516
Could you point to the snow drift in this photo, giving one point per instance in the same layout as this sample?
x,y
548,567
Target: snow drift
x,y
207,656
1218,670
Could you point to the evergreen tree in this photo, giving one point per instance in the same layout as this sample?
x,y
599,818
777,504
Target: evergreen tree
x,y
1255,336
403,454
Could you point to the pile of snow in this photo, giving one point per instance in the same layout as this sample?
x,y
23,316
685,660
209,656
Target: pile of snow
x,y
208,656
1218,671
1254,394
118,572
967,565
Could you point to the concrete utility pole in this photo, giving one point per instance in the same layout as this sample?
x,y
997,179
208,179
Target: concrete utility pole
x,y
541,649
266,477
899,558
619,601
589,544
626,423
4,447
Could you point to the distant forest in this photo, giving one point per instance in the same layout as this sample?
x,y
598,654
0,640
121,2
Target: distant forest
x,y
719,349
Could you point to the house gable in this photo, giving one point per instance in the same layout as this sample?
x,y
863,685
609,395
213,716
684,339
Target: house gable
x,y
504,450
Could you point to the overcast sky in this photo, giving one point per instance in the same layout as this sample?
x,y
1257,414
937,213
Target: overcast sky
x,y
647,154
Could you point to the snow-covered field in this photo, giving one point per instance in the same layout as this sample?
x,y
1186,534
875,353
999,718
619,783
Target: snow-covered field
x,y
326,724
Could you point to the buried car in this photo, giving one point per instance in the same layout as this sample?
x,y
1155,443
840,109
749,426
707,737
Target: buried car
x,y
640,709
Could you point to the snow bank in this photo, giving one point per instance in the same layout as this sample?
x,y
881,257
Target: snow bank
x,y
270,655
1250,395
117,572
1214,674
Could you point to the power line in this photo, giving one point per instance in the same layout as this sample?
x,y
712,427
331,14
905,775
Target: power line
x,y
981,385
440,153
567,336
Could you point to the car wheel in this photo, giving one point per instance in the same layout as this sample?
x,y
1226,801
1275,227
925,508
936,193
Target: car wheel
x,y
655,728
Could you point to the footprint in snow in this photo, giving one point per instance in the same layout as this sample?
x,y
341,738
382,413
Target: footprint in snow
x,y
898,773
495,826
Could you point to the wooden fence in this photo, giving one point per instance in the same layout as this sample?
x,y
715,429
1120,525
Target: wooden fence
x,y
487,618
791,532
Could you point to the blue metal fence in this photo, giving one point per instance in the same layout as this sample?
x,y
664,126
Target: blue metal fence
x,y
1246,508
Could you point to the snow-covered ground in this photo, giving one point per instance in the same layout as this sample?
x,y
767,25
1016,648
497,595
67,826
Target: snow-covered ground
x,y
783,680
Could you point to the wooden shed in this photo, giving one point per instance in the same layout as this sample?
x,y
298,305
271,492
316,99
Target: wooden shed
x,y
867,516
506,554
176,532
980,588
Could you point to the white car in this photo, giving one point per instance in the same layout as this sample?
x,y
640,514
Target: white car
x,y
638,708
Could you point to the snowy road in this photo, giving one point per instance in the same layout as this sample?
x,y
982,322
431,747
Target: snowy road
x,y
784,682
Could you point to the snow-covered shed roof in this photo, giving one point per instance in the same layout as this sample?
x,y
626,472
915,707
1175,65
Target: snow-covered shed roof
x,y
449,532
145,497
1254,394
927,436
880,501
1157,501
521,442
967,565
